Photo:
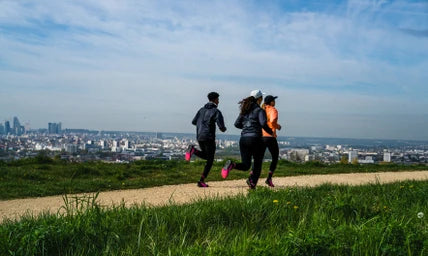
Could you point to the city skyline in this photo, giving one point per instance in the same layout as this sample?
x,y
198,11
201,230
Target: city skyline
x,y
350,69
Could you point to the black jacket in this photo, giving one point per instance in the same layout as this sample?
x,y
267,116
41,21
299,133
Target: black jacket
x,y
253,122
205,121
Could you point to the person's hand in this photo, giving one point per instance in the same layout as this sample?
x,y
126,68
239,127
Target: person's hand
x,y
279,127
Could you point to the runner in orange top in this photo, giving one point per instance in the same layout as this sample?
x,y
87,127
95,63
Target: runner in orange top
x,y
270,141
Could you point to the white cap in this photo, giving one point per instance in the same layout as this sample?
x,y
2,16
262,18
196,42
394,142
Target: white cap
x,y
256,94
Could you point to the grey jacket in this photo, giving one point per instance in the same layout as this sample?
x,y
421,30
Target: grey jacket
x,y
205,121
253,122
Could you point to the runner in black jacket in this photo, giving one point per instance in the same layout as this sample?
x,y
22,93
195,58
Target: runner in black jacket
x,y
251,120
205,121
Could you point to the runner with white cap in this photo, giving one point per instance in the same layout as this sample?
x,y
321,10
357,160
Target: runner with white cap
x,y
252,119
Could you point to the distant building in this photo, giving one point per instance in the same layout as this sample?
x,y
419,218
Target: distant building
x,y
103,144
353,154
7,129
54,128
16,126
159,135
71,148
127,145
1,129
387,157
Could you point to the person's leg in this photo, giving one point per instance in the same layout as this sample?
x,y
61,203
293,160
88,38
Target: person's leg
x,y
246,154
258,152
274,151
201,153
209,149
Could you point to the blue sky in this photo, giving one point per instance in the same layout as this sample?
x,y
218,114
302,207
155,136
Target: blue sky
x,y
340,68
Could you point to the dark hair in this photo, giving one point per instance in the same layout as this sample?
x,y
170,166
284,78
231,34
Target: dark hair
x,y
212,96
245,105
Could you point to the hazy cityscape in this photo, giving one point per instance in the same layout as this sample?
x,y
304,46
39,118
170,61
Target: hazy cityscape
x,y
18,141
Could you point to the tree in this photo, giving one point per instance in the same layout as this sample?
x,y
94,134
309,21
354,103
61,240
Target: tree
x,y
344,159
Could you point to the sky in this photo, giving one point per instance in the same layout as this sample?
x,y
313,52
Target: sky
x,y
348,69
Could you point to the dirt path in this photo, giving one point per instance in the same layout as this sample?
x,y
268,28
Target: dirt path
x,y
185,193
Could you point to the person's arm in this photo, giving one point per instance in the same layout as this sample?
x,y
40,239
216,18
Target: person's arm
x,y
195,119
273,116
220,121
239,123
263,121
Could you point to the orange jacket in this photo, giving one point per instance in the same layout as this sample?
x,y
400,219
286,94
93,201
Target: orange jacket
x,y
272,120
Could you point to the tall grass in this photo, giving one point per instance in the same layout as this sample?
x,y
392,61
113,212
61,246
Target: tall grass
x,y
327,220
44,176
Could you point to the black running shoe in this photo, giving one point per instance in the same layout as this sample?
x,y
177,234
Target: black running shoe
x,y
269,182
202,184
251,184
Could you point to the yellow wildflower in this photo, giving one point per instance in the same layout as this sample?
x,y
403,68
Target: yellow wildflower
x,y
296,207
275,201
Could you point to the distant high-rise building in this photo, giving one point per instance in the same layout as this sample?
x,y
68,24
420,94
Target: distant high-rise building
x,y
387,157
54,128
16,126
127,144
159,135
1,129
353,154
7,129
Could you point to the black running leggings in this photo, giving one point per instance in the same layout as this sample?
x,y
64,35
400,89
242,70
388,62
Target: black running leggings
x,y
251,147
207,152
272,144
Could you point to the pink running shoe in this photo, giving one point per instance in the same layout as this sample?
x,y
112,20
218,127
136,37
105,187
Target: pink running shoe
x,y
226,169
189,152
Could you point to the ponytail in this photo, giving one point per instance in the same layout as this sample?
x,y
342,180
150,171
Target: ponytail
x,y
245,105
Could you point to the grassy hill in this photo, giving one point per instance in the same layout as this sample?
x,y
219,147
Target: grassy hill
x,y
43,176
327,220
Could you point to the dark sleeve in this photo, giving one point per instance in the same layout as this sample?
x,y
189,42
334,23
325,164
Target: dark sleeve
x,y
239,122
220,121
195,119
263,121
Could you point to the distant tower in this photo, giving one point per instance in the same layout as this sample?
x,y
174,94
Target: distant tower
x,y
353,154
127,145
7,129
387,157
54,128
1,129
16,126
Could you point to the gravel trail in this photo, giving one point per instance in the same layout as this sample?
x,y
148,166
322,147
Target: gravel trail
x,y
185,193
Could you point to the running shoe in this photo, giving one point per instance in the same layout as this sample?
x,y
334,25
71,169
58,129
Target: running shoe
x,y
251,184
226,169
202,184
189,152
269,182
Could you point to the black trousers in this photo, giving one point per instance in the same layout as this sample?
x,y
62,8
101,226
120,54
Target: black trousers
x,y
272,145
207,152
251,148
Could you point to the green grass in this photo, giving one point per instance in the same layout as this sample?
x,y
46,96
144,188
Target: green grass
x,y
43,176
327,220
